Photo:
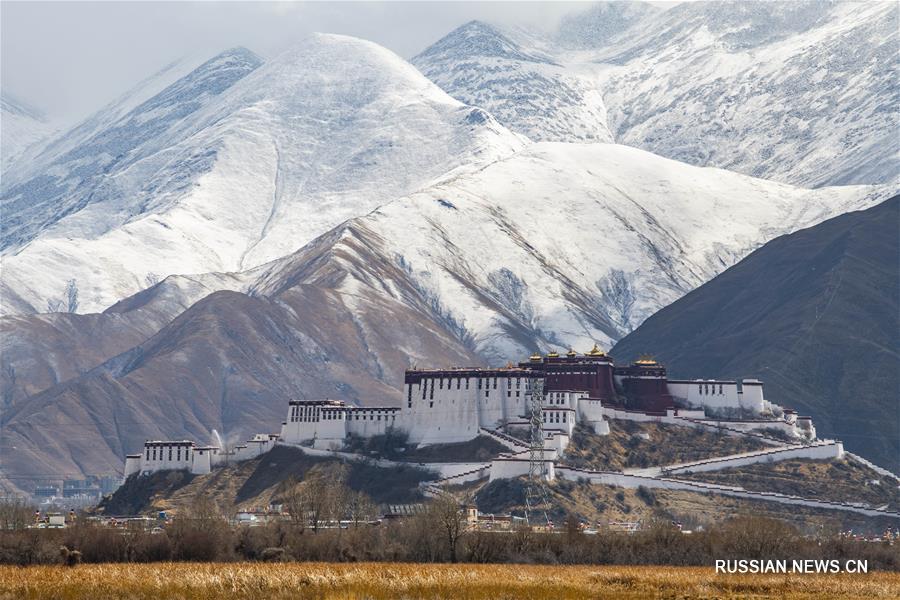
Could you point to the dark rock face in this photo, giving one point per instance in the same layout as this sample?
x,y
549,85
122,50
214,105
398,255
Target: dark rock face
x,y
815,315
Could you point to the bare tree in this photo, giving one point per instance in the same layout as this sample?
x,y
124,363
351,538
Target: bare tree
x,y
327,494
360,507
296,501
445,513
53,305
15,514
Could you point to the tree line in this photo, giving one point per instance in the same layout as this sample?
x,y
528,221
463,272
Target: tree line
x,y
439,533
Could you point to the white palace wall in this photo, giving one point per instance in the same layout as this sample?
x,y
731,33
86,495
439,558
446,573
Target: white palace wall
x,y
444,408
717,395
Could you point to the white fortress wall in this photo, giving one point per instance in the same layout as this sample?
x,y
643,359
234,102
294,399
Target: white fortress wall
x,y
874,467
634,481
819,450
369,422
790,429
479,472
590,412
132,464
202,463
717,394
446,415
512,467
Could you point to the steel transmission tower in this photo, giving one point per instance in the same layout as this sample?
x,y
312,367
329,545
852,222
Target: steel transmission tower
x,y
536,497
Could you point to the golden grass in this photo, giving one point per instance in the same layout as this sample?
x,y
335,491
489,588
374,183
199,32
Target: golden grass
x,y
382,581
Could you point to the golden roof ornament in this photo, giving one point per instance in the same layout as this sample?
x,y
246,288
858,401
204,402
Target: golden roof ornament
x,y
596,351
535,357
553,354
571,353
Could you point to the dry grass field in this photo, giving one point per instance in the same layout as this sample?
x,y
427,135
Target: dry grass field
x,y
382,581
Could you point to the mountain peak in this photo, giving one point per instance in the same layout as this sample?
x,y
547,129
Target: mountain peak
x,y
601,23
13,106
479,39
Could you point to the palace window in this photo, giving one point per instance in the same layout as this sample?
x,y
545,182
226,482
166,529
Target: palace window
x,y
495,383
720,388
487,393
441,383
467,383
517,393
170,453
148,453
458,382
431,405
508,394
479,383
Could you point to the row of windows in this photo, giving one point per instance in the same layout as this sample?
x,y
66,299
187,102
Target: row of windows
x,y
557,398
152,454
364,417
709,389
554,417
304,414
310,414
482,382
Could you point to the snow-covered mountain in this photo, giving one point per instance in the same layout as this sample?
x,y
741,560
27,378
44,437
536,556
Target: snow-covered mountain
x,y
233,165
79,170
799,92
21,127
559,245
563,245
526,89
38,158
602,24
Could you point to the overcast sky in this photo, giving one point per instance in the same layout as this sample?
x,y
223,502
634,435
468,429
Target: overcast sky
x,y
70,58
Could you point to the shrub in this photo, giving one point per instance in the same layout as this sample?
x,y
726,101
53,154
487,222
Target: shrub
x,y
647,495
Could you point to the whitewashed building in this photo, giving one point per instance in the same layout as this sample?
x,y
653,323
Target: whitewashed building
x,y
170,455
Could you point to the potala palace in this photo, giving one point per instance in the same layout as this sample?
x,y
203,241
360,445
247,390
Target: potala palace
x,y
443,406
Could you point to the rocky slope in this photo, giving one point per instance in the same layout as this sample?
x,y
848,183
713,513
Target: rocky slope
x,y
815,315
